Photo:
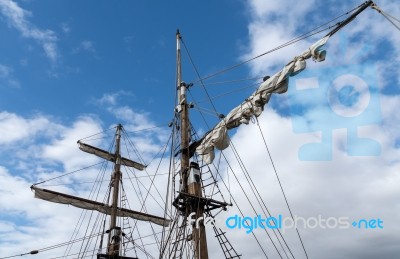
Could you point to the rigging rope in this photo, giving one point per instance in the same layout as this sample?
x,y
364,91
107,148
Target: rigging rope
x,y
148,193
198,75
69,173
33,252
237,205
201,81
234,81
258,198
302,37
92,195
135,226
83,214
387,16
156,172
204,88
29,253
145,170
99,215
292,41
170,173
75,183
280,184
148,129
98,133
231,92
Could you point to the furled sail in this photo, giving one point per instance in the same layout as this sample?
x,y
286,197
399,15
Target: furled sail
x,y
254,104
109,156
94,205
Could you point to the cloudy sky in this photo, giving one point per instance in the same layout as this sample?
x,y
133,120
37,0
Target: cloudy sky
x,y
70,70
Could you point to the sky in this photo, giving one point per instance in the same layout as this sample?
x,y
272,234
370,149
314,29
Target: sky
x,y
69,70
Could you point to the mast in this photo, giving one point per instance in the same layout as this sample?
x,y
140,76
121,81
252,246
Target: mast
x,y
115,233
114,238
190,173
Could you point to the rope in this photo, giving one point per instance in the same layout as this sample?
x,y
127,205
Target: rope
x,y
387,16
258,198
198,75
98,133
237,205
33,252
234,81
147,129
209,97
83,214
135,228
170,172
292,41
29,253
68,174
75,183
280,185
147,173
230,92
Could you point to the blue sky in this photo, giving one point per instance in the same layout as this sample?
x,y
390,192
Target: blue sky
x,y
71,69
131,45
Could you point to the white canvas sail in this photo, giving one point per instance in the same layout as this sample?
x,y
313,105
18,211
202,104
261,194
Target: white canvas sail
x,y
109,156
78,202
254,104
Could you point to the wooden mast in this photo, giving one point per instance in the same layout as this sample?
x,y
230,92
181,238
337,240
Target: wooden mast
x,y
190,175
114,238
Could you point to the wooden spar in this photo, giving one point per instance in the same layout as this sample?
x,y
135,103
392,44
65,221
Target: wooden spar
x,y
190,183
360,9
86,204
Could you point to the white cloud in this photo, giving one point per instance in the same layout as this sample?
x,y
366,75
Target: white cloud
x,y
133,120
48,150
137,120
63,148
14,128
65,27
353,187
273,23
85,45
145,134
35,222
42,139
348,186
33,148
4,71
287,10
6,75
108,99
17,18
